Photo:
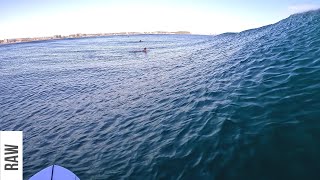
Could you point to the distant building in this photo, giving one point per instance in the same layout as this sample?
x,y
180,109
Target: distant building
x,y
57,36
182,32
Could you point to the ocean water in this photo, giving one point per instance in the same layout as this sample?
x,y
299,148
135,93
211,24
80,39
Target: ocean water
x,y
233,106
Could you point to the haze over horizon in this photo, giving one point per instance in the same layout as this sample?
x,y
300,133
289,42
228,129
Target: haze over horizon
x,y
37,18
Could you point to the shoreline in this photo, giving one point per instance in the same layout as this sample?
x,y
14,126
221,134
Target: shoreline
x,y
79,35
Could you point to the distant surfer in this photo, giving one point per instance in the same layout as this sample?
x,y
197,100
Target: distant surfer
x,y
140,41
144,50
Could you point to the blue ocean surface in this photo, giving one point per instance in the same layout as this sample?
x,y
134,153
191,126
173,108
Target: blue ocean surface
x,y
234,106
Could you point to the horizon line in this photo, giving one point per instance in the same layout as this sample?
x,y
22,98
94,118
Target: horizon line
x,y
110,34
88,35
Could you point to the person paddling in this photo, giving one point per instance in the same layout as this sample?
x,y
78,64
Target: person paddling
x,y
144,50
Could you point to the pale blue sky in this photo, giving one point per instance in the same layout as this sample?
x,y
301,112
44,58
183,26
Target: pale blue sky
x,y
34,18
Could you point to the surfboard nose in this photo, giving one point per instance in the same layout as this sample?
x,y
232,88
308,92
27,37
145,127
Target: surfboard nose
x,y
54,172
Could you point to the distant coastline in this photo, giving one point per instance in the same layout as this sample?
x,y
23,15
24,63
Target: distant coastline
x,y
80,35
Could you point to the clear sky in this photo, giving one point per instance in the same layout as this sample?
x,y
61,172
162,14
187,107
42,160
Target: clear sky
x,y
36,18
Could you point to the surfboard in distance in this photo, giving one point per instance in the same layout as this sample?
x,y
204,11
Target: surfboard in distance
x,y
54,172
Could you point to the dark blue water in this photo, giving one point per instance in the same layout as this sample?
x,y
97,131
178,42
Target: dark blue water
x,y
234,106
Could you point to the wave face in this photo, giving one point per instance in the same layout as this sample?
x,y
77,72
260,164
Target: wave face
x,y
234,106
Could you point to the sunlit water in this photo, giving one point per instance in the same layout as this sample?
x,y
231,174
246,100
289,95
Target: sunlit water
x,y
234,106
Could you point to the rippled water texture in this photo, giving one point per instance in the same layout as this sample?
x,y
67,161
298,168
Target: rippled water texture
x,y
234,106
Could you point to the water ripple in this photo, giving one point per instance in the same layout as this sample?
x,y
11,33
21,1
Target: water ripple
x,y
233,106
